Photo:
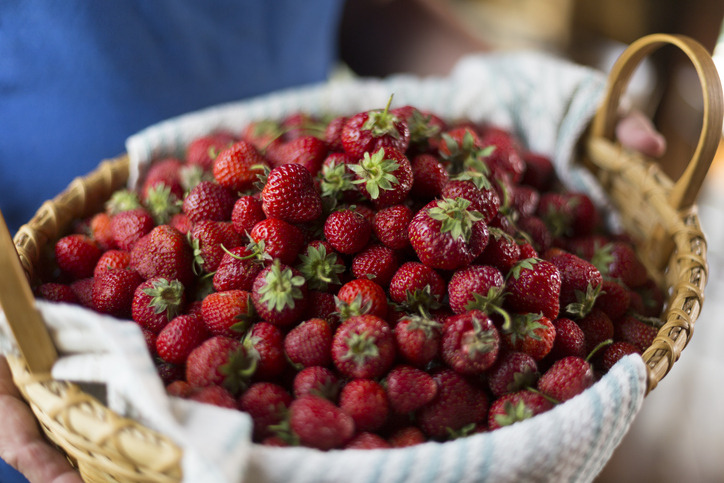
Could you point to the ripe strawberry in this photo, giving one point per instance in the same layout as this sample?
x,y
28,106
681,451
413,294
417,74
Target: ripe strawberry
x,y
112,259
163,173
652,298
458,404
281,240
501,252
537,232
362,296
383,176
513,371
77,255
215,395
262,134
570,340
320,424
534,285
446,234
101,231
264,343
366,401
566,378
333,133
483,199
596,327
390,226
530,333
367,132
407,436
321,266
309,343
246,213
461,147
209,201
347,231
367,440
429,177
376,262
164,252
322,305
209,241
585,214
130,226
237,270
289,195
505,159
614,299
636,331
267,403
417,285
179,388
179,337
162,204
237,167
417,339
425,127
539,171
316,381
615,352
470,342
156,301
515,407
580,283
229,313
202,150
618,260
83,290
113,291
307,151
56,292
409,388
279,294
220,361
363,347
475,286
556,211
524,199
181,222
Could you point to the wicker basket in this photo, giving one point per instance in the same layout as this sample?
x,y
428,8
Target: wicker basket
x,y
658,213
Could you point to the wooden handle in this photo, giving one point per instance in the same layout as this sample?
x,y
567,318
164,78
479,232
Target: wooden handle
x,y
686,188
17,301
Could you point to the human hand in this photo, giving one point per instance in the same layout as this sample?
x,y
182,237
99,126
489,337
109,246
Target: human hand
x,y
21,443
635,131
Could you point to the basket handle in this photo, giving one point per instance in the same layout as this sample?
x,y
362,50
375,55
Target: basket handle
x,y
686,188
17,301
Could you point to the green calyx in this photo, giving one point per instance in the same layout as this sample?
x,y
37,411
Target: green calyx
x,y
245,319
166,296
491,303
513,413
375,171
283,429
524,326
238,369
192,175
463,432
356,307
526,264
419,301
381,123
421,129
421,322
320,268
198,254
584,301
466,155
162,203
122,200
603,258
456,218
481,341
335,180
361,347
282,288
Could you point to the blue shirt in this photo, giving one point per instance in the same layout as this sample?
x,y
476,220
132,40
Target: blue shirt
x,y
78,77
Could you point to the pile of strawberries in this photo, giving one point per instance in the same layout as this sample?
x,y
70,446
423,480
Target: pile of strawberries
x,y
367,281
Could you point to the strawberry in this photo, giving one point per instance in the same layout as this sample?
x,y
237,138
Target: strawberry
x,y
425,127
570,340
639,332
614,352
320,424
461,147
531,333
179,337
113,291
367,440
597,327
321,266
264,343
618,260
289,195
363,347
409,388
501,252
362,296
56,292
309,343
262,134
112,259
164,252
475,286
156,301
83,290
445,234
202,150
566,378
281,240
556,211
539,171
429,177
512,372
162,204
366,402
322,305
417,339
179,388
367,132
221,361
237,270
162,173
307,151
470,342
515,407
614,299
124,199
483,199
533,285
505,159
390,226
279,294
585,214
101,231
376,262
347,231
237,167
130,226
383,176
246,213
333,133
317,381
267,404
229,313
458,404
580,283
538,233
407,436
208,239
415,284
524,199
336,180
209,201
181,222
77,255
215,395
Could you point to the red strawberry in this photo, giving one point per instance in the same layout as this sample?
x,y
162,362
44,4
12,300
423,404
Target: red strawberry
x,y
181,222
475,286
556,211
262,134
483,199
537,232
113,291
390,226
366,401
347,231
515,407
580,283
425,127
316,381
229,313
566,378
446,234
237,270
597,328
512,372
77,255
534,285
220,361
289,195
363,347
307,151
460,147
101,231
407,436
112,259
280,239
246,213
267,404
83,290
614,299
179,337
333,133
376,262
470,342
524,199
570,340
501,252
162,204
530,333
429,177
362,296
415,284
130,226
209,201
279,294
539,171
204,149
417,339
238,166
505,159
367,132
321,266
322,305
615,352
156,301
367,440
320,424
265,344
458,404
57,292
383,176
164,252
180,389
618,260
215,395
638,332
409,388
309,343
209,239
163,173
124,199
